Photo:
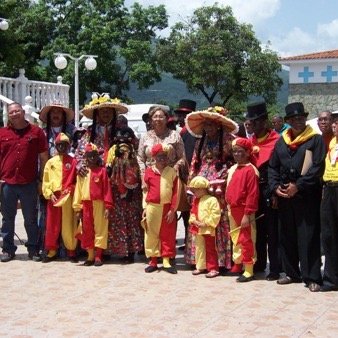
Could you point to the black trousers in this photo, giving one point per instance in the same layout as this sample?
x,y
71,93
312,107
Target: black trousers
x,y
267,239
300,236
329,224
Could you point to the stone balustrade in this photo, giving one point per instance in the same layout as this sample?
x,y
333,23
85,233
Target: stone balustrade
x,y
41,93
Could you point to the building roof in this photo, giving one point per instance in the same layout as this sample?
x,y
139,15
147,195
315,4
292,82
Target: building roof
x,y
330,54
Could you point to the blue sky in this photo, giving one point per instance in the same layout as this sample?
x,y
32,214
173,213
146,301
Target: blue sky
x,y
292,26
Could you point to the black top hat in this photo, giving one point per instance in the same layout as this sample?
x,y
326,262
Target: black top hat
x,y
256,110
186,106
334,115
294,109
145,117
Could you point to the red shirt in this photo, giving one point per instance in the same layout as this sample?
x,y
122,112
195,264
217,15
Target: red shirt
x,y
243,188
19,150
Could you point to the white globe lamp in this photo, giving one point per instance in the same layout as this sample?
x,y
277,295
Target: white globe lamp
x,y
3,25
60,62
90,63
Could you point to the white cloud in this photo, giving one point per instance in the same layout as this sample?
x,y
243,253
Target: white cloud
x,y
328,30
293,42
248,11
298,42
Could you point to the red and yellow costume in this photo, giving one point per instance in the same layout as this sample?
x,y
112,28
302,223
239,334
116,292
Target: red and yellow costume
x,y
59,180
205,209
162,196
242,196
92,196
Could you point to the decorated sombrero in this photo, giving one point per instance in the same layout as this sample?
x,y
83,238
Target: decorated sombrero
x,y
100,101
45,110
195,120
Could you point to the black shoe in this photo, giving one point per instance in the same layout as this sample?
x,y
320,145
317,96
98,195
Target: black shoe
x,y
171,270
288,280
98,262
6,257
35,257
150,269
243,279
48,259
88,263
73,259
328,288
314,287
272,276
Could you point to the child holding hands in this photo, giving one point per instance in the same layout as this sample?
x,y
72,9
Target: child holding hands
x,y
205,215
242,195
92,202
161,201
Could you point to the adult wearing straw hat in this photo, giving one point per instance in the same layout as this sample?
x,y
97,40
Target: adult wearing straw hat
x,y
103,111
57,119
211,159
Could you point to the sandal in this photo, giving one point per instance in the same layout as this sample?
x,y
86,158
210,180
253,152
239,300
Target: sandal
x,y
212,274
197,272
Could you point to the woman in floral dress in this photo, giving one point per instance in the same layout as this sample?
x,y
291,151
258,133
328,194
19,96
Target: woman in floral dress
x,y
125,236
211,159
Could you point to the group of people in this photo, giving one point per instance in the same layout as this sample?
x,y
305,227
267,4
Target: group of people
x,y
245,198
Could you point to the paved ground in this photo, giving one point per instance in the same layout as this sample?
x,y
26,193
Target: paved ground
x,y
61,299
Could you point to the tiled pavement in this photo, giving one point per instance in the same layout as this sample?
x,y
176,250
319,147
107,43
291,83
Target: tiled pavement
x,y
61,299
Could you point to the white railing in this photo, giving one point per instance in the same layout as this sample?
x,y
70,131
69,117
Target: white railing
x,y
42,93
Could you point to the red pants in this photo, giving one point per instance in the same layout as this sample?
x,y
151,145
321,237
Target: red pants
x,y
206,254
160,237
211,256
60,220
94,225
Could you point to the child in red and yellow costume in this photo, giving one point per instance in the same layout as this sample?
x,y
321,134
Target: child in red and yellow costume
x,y
242,195
57,187
161,201
205,215
92,202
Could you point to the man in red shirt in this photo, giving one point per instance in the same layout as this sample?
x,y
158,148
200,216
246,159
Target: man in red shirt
x,y
23,153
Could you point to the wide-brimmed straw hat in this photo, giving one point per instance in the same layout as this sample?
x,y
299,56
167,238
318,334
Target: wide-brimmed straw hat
x,y
100,101
195,121
45,110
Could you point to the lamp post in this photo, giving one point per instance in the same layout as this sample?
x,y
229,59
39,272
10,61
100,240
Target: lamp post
x,y
61,63
4,24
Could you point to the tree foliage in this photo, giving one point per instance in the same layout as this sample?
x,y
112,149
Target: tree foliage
x,y
219,57
122,38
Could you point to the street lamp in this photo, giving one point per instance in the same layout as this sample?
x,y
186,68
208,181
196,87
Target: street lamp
x,y
3,24
61,63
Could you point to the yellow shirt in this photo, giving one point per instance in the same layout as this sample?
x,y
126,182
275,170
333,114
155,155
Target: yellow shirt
x,y
209,212
52,176
331,166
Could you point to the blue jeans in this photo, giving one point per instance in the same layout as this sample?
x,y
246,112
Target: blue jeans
x,y
27,194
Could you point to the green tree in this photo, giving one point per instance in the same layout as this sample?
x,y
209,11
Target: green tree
x,y
29,31
123,40
219,57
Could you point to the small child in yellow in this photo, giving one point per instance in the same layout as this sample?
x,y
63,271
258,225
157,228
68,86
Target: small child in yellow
x,y
58,184
92,203
205,215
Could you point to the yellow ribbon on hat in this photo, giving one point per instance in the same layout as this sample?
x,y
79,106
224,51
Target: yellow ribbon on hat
x,y
103,98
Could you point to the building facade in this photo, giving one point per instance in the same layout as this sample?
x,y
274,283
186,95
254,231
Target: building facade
x,y
313,80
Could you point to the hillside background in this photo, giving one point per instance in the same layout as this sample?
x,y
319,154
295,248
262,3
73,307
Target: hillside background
x,y
169,91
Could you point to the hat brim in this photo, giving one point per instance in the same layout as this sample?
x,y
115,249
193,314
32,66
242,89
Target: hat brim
x,y
252,118
183,110
195,121
119,108
45,110
295,114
